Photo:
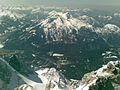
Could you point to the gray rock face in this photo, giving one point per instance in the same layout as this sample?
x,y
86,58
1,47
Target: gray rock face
x,y
105,78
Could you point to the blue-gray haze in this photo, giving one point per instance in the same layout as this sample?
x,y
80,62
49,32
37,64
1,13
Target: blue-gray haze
x,y
74,3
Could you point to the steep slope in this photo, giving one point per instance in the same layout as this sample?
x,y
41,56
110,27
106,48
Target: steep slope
x,y
8,79
105,78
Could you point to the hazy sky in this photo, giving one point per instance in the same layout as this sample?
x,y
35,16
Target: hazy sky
x,y
62,2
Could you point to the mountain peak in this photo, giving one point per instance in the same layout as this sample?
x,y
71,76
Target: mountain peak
x,y
59,24
111,27
106,76
60,14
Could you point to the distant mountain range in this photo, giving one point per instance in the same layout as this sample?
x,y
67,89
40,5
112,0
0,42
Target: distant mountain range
x,y
26,27
69,40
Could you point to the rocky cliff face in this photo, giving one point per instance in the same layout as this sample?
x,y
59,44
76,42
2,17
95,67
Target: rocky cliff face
x,y
105,78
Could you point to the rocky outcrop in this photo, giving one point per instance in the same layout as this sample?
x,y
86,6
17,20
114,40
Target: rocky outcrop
x,y
105,78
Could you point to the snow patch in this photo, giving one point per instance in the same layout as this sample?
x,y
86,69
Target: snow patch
x,y
1,45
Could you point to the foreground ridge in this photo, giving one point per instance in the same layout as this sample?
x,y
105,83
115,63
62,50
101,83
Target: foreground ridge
x,y
105,78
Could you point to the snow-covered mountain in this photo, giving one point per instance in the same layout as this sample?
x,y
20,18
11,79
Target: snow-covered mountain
x,y
58,25
110,29
111,34
106,77
62,28
89,20
11,14
35,27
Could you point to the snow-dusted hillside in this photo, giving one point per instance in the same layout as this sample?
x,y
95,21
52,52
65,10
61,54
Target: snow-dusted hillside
x,y
11,14
111,34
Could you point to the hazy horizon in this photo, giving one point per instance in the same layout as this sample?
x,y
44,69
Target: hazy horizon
x,y
63,3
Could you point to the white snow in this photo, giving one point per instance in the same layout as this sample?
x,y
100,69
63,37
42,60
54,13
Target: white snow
x,y
47,75
1,45
33,55
58,23
109,28
57,55
10,13
87,19
86,86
